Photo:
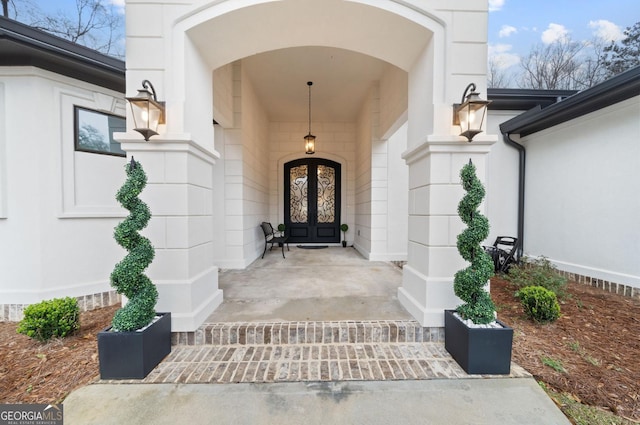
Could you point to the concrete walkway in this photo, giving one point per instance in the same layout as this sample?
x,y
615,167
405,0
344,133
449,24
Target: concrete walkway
x,y
318,337
516,401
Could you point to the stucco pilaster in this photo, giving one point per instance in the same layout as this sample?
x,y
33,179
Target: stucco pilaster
x,y
434,193
179,193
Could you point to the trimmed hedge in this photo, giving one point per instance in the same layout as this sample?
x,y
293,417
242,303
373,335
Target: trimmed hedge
x,y
539,303
55,318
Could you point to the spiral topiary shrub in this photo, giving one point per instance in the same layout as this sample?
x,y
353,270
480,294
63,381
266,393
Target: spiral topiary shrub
x,y
469,283
48,319
540,304
127,276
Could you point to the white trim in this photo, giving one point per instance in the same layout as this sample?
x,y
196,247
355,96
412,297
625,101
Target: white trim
x,y
451,144
66,165
189,322
608,275
35,296
165,144
388,256
3,155
190,301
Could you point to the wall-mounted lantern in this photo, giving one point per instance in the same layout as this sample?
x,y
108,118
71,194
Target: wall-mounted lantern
x,y
470,112
147,111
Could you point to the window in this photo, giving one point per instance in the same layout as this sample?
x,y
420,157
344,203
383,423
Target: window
x,y
93,131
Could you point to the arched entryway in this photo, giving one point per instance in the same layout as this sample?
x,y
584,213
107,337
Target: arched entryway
x,y
211,186
312,200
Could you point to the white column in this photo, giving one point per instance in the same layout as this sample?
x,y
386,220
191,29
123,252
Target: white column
x,y
180,196
434,193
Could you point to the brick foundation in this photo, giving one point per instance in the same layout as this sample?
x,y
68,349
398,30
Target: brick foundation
x,y
605,285
14,312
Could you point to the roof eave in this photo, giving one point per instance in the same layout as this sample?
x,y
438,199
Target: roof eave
x,y
22,45
524,99
614,90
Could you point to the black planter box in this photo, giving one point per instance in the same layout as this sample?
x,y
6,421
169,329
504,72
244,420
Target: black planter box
x,y
132,355
485,351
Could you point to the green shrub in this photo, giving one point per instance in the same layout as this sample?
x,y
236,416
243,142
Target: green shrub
x,y
539,303
469,283
537,272
127,276
55,318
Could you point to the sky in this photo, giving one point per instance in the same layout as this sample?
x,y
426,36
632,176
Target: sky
x,y
515,26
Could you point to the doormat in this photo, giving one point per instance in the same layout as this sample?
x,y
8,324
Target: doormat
x,y
313,246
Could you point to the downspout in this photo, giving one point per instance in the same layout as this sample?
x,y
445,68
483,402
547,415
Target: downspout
x,y
522,157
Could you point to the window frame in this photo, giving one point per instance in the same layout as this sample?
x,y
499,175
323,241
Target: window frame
x,y
77,125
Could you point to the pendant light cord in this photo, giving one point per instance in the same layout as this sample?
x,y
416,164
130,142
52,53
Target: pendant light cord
x,y
309,83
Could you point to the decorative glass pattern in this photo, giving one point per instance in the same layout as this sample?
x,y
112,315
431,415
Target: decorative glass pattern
x,y
326,194
298,186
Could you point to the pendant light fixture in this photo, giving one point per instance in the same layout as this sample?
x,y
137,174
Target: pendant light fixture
x,y
310,139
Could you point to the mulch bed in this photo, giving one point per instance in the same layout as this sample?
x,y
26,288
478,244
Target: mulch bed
x,y
596,341
33,372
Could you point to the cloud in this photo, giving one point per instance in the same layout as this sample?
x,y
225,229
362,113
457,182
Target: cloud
x,y
118,4
495,5
606,30
554,33
506,31
501,55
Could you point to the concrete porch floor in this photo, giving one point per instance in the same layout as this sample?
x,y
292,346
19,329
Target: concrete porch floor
x,y
329,284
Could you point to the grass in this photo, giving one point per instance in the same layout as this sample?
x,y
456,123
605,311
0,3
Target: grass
x,y
553,364
581,414
592,360
575,346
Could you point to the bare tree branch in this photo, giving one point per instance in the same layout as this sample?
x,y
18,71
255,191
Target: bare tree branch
x,y
497,77
551,66
94,24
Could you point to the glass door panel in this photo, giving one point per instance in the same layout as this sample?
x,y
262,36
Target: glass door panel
x,y
312,201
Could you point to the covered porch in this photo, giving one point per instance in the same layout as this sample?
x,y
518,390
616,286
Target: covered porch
x,y
232,143
330,284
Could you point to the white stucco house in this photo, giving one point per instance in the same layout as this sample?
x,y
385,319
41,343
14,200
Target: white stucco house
x,y
563,176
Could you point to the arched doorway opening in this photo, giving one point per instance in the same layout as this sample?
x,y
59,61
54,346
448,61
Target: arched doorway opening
x,y
226,182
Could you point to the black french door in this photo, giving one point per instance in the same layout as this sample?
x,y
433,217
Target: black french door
x,y
312,200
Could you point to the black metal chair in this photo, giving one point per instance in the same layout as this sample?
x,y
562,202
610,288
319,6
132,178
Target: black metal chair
x,y
271,238
503,253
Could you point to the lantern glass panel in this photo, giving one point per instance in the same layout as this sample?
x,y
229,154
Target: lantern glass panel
x,y
310,144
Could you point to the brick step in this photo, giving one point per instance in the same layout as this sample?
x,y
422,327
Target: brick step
x,y
219,364
274,333
304,362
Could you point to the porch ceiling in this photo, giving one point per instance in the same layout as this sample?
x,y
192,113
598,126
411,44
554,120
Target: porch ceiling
x,y
342,46
341,81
